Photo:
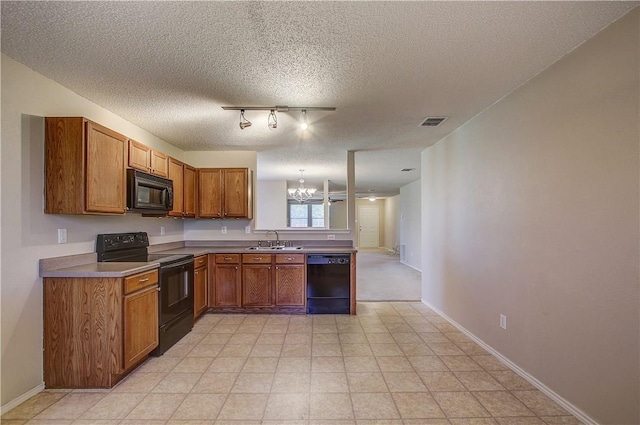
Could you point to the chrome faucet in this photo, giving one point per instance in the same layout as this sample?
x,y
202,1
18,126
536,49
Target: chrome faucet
x,y
277,236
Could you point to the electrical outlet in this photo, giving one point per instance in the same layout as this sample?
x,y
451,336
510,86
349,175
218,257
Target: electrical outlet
x,y
247,229
161,230
62,235
503,321
223,230
331,237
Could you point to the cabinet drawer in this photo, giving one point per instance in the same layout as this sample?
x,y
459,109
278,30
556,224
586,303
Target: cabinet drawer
x,y
290,258
257,258
227,258
200,261
139,281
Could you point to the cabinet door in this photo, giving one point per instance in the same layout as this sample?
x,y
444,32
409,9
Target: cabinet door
x,y
200,291
210,193
139,156
236,193
105,175
227,285
177,176
256,285
290,285
189,193
159,164
140,324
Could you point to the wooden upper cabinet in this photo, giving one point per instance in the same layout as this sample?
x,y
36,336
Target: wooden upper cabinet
x,y
159,164
225,193
84,167
176,174
184,189
210,193
143,158
190,189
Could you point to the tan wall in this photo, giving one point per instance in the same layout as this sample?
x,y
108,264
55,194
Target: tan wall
x,y
532,210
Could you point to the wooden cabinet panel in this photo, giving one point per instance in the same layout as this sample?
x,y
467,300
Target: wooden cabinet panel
x,y
257,258
106,190
143,158
227,286
290,285
139,281
256,285
237,193
159,164
176,174
227,258
200,284
210,193
94,333
225,193
84,168
140,325
184,188
289,258
189,191
139,156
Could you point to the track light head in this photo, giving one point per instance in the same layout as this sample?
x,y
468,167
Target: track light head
x,y
272,121
304,125
244,123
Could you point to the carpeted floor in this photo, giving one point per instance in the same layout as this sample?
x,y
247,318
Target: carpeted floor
x,y
381,277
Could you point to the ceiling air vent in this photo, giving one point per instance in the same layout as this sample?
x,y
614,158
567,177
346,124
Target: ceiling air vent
x,y
432,121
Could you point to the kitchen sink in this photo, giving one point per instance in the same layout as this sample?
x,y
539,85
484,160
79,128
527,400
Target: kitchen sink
x,y
274,248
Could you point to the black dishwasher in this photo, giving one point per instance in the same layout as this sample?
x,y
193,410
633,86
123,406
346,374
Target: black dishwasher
x,y
328,283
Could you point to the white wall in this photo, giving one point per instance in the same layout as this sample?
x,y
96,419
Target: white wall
x,y
271,204
411,225
531,210
392,222
27,233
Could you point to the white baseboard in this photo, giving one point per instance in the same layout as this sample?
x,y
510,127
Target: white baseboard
x,y
409,265
582,416
19,400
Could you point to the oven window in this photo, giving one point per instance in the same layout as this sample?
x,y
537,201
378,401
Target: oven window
x,y
176,287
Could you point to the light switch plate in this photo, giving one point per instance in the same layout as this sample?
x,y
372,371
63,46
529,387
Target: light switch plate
x,y
223,230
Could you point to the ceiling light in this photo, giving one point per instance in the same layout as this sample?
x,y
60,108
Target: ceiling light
x,y
272,121
301,193
372,198
244,123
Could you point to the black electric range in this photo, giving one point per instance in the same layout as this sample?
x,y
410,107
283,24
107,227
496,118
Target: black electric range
x,y
175,286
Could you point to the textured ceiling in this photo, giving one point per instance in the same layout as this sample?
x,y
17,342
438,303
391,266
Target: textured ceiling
x,y
168,67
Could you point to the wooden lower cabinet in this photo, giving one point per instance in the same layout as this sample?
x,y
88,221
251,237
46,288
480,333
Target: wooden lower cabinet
x,y
290,280
200,285
257,285
97,329
226,281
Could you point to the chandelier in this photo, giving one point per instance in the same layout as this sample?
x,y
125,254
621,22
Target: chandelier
x,y
301,193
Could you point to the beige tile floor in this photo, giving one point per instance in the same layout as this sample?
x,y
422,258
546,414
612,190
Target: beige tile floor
x,y
395,363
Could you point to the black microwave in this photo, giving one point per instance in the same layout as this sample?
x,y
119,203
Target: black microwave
x,y
148,194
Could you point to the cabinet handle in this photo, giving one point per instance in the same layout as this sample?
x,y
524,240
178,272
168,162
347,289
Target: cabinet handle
x,y
196,272
236,267
158,289
227,258
289,258
257,258
269,268
143,280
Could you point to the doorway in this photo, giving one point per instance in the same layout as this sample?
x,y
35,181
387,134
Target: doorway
x,y
368,226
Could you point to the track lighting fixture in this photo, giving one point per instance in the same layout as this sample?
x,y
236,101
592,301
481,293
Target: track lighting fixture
x,y
272,121
244,123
